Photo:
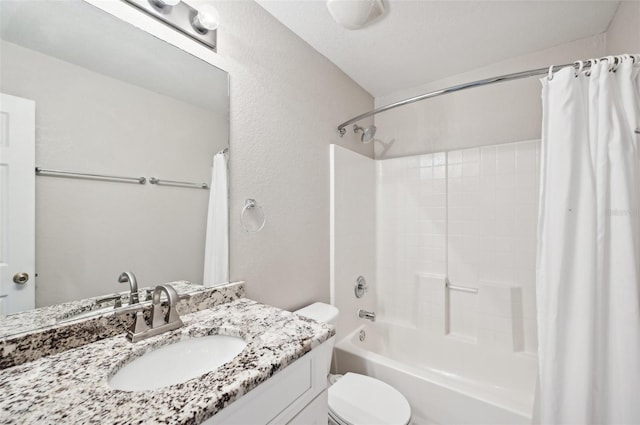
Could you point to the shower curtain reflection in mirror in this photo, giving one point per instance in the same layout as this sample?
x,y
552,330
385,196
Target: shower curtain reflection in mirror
x,y
216,251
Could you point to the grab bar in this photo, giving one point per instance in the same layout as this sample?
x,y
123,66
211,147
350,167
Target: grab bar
x,y
460,288
154,180
74,174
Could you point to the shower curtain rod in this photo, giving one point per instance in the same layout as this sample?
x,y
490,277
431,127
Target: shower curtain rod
x,y
459,87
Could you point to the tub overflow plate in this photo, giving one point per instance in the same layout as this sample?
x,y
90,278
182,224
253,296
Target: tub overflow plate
x,y
362,335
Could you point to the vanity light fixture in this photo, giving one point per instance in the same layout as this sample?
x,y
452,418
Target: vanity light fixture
x,y
200,24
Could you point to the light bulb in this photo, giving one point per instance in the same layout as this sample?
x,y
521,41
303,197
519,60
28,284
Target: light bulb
x,y
165,3
207,19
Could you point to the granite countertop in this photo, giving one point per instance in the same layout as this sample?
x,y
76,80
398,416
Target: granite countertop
x,y
72,387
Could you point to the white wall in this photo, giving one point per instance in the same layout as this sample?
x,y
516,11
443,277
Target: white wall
x,y
623,34
353,235
286,100
498,113
88,232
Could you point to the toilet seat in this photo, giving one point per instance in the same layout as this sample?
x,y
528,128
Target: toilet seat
x,y
359,399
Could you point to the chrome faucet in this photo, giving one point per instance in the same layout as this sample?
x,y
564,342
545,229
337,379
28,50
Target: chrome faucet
x,y
172,318
133,286
369,315
160,322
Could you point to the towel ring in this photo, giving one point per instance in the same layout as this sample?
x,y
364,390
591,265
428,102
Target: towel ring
x,y
248,224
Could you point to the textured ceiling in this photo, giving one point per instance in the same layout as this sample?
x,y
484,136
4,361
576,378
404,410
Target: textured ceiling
x,y
417,42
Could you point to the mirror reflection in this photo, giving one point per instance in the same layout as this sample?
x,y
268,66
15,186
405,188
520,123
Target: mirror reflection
x,y
99,106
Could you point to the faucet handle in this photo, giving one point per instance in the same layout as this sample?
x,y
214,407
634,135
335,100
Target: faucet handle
x,y
116,298
361,287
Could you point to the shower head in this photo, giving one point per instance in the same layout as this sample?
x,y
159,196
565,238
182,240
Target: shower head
x,y
367,133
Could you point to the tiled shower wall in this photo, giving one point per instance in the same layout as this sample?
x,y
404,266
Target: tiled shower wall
x,y
469,216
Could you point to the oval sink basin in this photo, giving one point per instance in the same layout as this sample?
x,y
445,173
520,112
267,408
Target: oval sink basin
x,y
177,362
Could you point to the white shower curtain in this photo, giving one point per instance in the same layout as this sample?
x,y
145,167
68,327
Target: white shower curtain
x,y
216,250
588,266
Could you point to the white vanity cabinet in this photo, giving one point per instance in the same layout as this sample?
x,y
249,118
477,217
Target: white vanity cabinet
x,y
295,395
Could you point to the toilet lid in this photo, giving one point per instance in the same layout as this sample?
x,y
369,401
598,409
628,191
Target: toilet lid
x,y
359,399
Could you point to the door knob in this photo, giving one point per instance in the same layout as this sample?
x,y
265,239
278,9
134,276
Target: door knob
x,y
21,278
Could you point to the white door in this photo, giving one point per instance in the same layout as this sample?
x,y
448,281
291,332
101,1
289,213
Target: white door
x,y
17,204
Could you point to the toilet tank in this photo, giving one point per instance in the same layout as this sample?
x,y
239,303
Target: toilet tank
x,y
323,313
320,312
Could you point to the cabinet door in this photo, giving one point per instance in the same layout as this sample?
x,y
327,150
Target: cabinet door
x,y
316,412
283,396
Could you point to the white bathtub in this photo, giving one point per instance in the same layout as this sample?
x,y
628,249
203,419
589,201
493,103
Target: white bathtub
x,y
446,380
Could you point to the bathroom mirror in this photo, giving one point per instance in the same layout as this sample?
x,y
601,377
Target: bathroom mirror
x,y
107,99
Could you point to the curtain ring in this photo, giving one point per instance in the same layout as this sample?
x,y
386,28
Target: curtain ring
x,y
580,67
550,76
593,62
612,62
627,57
618,61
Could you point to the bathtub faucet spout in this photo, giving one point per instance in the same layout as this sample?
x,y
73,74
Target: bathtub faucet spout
x,y
369,315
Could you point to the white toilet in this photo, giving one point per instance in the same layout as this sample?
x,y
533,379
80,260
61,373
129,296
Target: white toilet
x,y
359,399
